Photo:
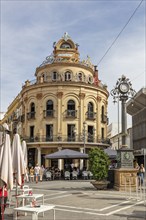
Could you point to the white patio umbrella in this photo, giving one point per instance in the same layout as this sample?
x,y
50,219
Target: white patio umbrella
x,y
6,171
18,159
24,149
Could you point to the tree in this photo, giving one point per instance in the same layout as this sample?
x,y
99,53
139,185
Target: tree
x,y
98,163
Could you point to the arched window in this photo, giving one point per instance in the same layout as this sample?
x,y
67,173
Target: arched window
x,y
32,107
90,107
65,46
54,76
90,110
80,77
31,114
71,108
67,76
102,113
49,108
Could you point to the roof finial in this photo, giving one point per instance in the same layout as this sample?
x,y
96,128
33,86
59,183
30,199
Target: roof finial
x,y
66,36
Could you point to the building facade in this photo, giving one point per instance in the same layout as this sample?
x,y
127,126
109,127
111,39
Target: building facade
x,y
137,109
64,107
116,137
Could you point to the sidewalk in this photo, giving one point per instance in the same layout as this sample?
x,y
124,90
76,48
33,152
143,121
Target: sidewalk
x,y
79,200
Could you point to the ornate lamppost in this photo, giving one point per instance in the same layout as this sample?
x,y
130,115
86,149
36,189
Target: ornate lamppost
x,y
84,136
122,92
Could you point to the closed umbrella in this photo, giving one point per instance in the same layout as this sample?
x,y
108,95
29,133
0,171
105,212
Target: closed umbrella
x,y
18,159
24,149
6,171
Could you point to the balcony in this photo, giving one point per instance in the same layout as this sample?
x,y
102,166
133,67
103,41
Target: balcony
x,y
69,139
30,115
91,115
104,119
71,113
48,113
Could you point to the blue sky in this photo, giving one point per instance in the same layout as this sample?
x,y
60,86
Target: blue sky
x,y
29,28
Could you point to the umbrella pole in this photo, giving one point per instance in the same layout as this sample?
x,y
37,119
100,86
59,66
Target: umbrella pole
x,y
16,194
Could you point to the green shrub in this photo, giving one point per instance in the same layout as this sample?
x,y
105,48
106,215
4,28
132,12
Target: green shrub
x,y
98,163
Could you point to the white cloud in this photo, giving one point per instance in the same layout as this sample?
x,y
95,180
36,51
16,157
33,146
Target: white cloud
x,y
29,28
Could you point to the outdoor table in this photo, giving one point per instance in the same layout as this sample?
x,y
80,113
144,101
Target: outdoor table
x,y
33,196
34,210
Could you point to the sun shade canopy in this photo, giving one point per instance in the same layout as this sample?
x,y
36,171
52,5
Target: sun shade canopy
x,y
63,154
111,153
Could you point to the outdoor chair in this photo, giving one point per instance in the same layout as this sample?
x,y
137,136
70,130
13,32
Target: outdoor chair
x,y
67,175
90,175
48,175
74,175
85,175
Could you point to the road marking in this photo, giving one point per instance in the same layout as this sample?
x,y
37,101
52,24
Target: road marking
x,y
73,207
58,197
112,206
99,210
90,213
127,207
48,195
94,213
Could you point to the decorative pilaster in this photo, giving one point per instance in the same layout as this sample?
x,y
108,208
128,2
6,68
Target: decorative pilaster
x,y
39,156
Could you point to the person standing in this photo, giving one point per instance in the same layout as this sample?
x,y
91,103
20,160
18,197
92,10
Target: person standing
x,y
141,174
42,169
27,175
3,192
31,173
36,172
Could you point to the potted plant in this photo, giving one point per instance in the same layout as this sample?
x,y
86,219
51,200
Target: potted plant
x,y
98,165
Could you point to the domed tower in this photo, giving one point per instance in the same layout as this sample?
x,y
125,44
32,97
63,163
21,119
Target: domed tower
x,y
66,107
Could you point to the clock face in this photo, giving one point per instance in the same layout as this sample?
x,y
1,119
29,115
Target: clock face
x,y
127,156
124,87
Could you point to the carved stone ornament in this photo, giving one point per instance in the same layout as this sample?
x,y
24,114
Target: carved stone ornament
x,y
59,94
25,99
39,95
98,98
82,95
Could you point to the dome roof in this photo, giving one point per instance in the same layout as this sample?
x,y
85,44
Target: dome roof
x,y
66,51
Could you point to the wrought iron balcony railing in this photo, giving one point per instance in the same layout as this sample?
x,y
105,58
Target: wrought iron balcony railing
x,y
104,119
48,113
30,115
91,115
71,113
69,139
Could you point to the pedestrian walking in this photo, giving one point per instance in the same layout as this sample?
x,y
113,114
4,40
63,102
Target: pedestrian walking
x,y
141,174
31,173
42,169
36,172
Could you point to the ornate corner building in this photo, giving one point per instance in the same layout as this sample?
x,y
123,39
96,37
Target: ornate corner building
x,y
64,107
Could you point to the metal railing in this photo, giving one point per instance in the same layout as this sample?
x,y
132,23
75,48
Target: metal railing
x,y
76,138
71,113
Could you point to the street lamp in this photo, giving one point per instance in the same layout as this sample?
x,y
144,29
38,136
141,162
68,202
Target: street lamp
x,y
84,135
123,91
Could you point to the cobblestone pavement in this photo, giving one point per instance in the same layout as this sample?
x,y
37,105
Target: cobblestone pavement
x,y
79,200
